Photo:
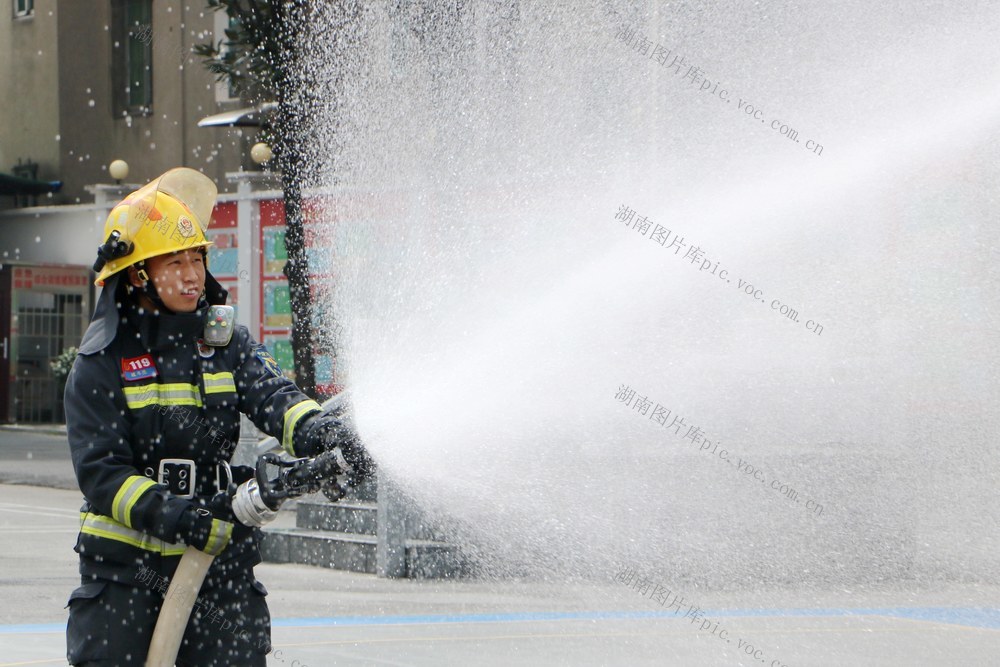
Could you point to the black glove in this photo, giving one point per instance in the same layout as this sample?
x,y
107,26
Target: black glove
x,y
325,433
198,528
221,504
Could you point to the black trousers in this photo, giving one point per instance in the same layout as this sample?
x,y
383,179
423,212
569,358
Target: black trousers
x,y
111,623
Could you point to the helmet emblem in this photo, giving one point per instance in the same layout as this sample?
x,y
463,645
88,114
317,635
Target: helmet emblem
x,y
185,227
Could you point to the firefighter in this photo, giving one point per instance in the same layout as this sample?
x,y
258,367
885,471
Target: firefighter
x,y
153,407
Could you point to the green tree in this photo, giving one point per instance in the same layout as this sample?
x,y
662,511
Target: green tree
x,y
261,58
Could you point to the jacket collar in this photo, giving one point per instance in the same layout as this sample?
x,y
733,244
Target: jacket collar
x,y
162,330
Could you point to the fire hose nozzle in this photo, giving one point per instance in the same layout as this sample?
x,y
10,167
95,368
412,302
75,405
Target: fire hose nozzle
x,y
249,506
256,501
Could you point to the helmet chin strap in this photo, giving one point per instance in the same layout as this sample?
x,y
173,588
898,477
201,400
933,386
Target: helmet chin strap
x,y
149,289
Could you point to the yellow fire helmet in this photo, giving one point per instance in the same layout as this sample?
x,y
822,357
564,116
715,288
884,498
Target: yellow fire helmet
x,y
167,215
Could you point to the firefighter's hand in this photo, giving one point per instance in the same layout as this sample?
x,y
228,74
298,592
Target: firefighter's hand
x,y
321,433
356,463
221,506
209,534
327,433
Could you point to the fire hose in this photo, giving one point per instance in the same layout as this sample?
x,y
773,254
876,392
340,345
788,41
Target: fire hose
x,y
254,503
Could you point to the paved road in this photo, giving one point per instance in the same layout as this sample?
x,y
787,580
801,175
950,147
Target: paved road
x,y
33,456
323,617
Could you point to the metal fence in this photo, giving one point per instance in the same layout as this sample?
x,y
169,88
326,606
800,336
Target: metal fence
x,y
46,324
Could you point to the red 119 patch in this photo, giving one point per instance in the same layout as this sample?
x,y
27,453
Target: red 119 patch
x,y
139,368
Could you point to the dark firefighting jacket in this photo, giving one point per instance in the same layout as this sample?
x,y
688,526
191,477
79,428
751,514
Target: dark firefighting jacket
x,y
155,392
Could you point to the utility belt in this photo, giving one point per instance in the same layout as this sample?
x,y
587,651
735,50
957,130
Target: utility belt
x,y
184,478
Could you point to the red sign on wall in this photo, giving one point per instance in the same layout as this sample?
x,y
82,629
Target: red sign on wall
x,y
45,278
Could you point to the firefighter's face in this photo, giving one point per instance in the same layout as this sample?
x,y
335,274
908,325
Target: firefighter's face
x,y
179,279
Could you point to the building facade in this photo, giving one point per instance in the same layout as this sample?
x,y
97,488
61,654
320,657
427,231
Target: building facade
x,y
83,84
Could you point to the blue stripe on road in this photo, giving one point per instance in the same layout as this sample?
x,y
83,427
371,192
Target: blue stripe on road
x,y
976,617
979,617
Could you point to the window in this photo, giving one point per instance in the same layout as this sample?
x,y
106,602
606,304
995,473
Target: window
x,y
132,57
23,8
224,90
